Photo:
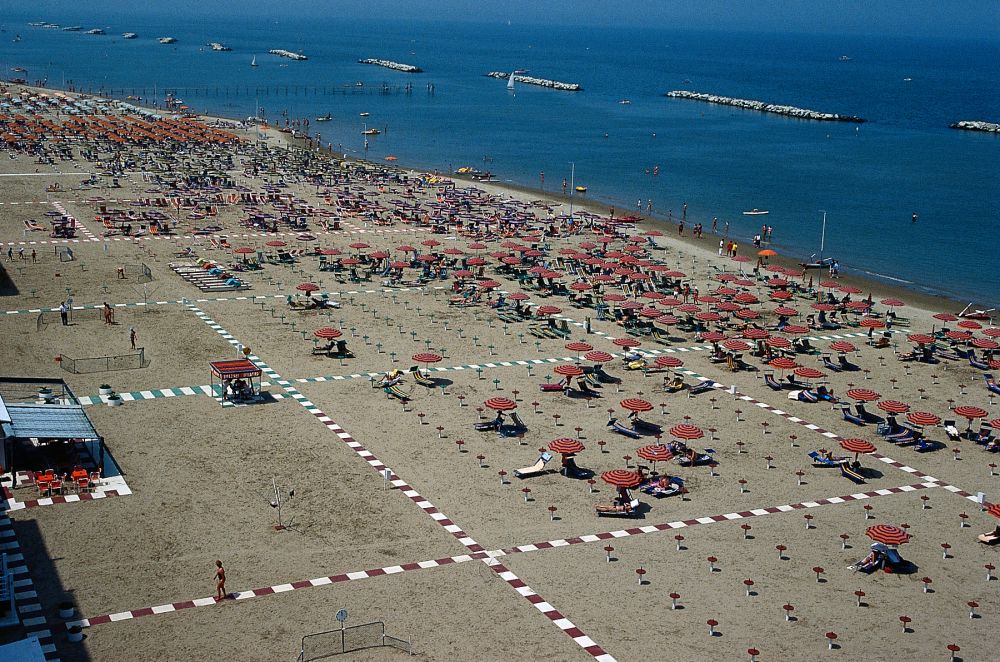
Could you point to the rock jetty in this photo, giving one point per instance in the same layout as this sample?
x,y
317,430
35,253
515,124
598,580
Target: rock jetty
x,y
541,82
750,104
289,54
389,64
975,125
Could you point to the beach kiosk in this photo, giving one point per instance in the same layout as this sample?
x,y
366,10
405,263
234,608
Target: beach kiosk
x,y
236,380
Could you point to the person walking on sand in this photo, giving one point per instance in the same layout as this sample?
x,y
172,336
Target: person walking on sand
x,y
64,313
109,314
220,581
34,256
10,253
131,336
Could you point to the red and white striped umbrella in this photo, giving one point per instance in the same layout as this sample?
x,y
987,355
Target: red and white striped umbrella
x,y
622,478
923,418
893,406
636,404
598,356
501,404
566,446
863,394
687,431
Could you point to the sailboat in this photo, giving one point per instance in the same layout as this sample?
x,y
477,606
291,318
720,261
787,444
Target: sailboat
x,y
253,62
510,82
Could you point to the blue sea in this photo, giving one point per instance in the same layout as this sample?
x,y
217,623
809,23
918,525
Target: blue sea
x,y
869,178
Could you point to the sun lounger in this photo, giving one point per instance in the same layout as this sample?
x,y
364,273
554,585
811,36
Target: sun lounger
x,y
699,459
772,383
677,384
537,468
553,388
802,396
850,473
830,365
629,509
951,430
701,387
586,389
515,428
847,365
422,379
672,486
646,426
991,384
823,461
851,418
396,392
990,537
621,429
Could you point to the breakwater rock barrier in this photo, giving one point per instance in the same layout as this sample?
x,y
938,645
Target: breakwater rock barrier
x,y
541,82
289,54
975,125
389,64
750,104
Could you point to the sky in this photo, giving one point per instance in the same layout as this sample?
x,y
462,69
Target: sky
x,y
979,19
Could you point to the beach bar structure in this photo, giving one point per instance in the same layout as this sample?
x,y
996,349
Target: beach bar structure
x,y
41,421
227,371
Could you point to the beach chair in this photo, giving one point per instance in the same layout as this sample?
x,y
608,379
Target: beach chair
x,y
951,430
656,335
847,365
516,427
990,537
830,365
771,382
675,385
820,460
847,471
701,387
395,392
664,486
584,387
622,430
803,396
991,384
865,415
422,379
553,388
628,509
536,469
851,418
698,460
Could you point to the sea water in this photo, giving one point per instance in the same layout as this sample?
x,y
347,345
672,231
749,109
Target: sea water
x,y
869,178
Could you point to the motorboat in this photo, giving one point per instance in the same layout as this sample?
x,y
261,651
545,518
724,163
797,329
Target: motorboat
x,y
581,189
364,114
756,212
95,31
325,118
625,102
371,132
167,40
822,263
129,35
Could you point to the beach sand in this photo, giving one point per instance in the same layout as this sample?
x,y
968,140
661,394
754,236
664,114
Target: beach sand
x,y
411,555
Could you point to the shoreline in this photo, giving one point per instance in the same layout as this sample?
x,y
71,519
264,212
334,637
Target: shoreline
x,y
926,301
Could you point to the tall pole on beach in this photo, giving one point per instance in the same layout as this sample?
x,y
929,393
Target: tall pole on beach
x,y
572,188
822,237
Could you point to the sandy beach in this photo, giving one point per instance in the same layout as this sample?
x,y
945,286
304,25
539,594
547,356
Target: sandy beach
x,y
449,549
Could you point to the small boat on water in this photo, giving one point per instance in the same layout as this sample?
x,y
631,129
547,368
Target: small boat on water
x,y
253,61
371,132
167,40
219,46
364,114
756,212
822,263
625,102
581,189
95,31
129,35
325,118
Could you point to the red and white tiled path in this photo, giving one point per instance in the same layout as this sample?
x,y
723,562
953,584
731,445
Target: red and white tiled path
x,y
491,558
429,508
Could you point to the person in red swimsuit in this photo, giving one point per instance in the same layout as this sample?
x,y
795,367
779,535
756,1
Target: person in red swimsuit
x,y
220,581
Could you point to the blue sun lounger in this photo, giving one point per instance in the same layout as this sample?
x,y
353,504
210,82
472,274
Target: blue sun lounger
x,y
621,429
851,418
822,461
991,384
